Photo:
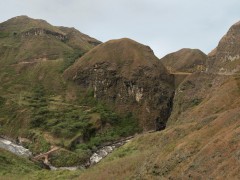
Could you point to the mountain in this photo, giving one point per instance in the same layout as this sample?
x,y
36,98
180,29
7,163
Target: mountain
x,y
47,108
70,100
201,139
36,102
185,60
129,77
24,39
225,58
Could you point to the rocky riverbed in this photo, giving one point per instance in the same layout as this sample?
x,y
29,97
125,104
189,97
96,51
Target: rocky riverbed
x,y
94,159
104,151
14,148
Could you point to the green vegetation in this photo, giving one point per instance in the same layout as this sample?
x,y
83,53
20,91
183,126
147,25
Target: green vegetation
x,y
80,128
39,145
34,104
121,127
195,102
53,175
13,165
37,103
67,158
2,101
70,59
4,34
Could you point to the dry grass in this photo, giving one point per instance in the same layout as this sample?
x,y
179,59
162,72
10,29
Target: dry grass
x,y
199,143
185,60
124,55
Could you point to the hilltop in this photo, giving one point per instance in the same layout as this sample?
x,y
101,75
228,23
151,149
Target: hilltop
x,y
28,39
123,73
185,60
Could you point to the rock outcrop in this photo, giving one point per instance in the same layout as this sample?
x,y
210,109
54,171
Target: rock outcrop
x,y
225,58
128,76
42,32
185,60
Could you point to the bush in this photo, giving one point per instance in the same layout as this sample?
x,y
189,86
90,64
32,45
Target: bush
x,y
196,102
39,144
2,101
68,158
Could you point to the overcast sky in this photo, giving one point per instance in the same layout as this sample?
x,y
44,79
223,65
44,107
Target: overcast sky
x,y
164,25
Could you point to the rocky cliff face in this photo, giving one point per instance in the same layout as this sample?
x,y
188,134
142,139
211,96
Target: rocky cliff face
x,y
128,76
185,60
42,32
225,58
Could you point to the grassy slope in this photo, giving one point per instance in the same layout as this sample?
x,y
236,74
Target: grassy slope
x,y
201,141
67,116
13,165
185,60
125,54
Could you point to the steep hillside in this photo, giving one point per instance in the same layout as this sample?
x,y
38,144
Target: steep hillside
x,y
126,75
79,40
116,90
202,137
185,60
201,140
38,104
225,58
35,101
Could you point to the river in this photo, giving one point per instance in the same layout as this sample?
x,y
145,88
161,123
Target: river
x,y
14,148
94,159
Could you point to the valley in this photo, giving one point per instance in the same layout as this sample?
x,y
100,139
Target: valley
x,y
114,110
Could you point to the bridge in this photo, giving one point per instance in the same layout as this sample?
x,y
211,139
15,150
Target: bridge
x,y
44,156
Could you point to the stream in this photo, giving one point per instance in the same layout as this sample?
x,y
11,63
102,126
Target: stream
x,y
96,157
14,148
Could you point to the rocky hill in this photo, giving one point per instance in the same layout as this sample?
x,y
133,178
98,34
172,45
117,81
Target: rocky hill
x,y
185,60
128,76
225,58
24,39
39,105
35,101
201,140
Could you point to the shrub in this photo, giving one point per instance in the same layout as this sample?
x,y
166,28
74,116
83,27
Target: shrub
x,y
2,101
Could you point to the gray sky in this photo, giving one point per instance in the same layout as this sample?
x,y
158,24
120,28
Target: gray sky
x,y
164,25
